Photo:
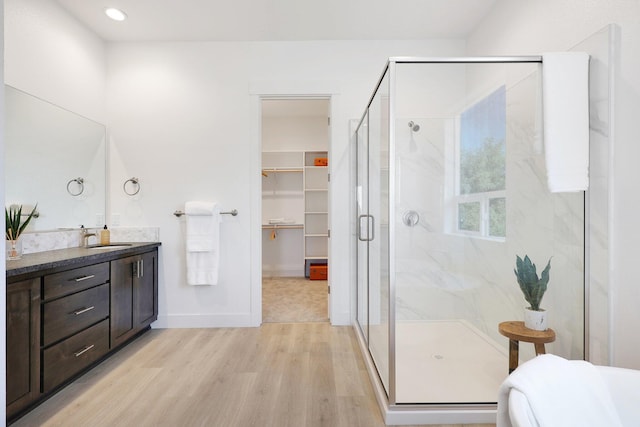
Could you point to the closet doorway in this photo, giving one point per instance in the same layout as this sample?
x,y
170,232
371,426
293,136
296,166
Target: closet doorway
x,y
295,209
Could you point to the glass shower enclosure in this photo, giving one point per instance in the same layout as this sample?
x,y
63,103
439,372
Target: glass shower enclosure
x,y
450,186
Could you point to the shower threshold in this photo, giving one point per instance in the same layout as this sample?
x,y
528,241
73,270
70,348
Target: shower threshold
x,y
446,372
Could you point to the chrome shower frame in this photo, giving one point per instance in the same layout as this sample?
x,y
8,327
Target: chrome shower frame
x,y
402,413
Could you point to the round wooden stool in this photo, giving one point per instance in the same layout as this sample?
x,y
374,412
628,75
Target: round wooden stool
x,y
516,331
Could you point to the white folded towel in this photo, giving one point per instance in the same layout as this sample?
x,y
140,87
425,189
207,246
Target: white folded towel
x,y
559,392
202,242
565,99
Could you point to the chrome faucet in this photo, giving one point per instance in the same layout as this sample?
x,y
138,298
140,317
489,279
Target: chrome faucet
x,y
86,235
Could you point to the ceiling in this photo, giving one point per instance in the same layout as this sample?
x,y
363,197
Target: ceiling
x,y
281,20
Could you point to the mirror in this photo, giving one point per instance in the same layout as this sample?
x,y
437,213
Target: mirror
x,y
55,158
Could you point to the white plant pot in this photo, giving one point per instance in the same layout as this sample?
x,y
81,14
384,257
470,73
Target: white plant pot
x,y
536,320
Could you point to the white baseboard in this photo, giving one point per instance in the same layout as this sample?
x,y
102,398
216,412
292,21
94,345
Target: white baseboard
x,y
176,321
284,272
341,319
232,320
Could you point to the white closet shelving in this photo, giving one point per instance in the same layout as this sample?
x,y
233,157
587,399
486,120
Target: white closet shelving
x,y
316,210
294,211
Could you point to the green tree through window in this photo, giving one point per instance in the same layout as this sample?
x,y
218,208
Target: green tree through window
x,y
482,179
483,169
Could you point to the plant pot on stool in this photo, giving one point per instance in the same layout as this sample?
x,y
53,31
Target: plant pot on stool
x,y
533,288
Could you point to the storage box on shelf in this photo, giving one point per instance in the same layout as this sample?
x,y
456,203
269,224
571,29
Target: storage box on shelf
x,y
318,272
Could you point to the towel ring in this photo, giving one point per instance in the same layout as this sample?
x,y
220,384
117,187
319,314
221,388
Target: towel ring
x,y
80,182
133,181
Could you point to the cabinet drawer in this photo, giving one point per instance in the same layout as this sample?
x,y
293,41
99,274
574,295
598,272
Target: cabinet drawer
x,y
67,282
63,360
65,316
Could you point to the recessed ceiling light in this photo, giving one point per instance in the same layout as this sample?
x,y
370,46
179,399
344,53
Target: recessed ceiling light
x,y
115,14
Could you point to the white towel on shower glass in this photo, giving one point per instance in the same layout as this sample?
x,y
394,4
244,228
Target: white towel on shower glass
x,y
565,99
202,242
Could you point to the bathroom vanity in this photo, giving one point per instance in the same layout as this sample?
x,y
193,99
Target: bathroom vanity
x,y
69,309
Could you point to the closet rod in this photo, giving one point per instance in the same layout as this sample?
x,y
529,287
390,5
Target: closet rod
x,y
274,170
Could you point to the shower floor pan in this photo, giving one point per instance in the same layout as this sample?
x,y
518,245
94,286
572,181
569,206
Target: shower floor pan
x,y
444,362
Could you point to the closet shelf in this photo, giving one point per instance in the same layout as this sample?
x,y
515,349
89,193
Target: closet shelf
x,y
281,226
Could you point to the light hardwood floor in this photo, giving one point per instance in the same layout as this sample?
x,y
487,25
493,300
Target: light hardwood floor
x,y
280,374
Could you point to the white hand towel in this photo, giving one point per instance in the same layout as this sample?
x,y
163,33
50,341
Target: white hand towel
x,y
559,392
202,242
565,99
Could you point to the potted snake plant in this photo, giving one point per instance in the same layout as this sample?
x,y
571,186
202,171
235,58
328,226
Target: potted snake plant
x,y
533,288
14,227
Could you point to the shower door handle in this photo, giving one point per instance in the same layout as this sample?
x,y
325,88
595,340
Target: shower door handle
x,y
360,218
370,227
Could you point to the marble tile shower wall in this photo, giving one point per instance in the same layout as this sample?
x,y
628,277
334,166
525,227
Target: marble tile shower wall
x,y
64,239
444,275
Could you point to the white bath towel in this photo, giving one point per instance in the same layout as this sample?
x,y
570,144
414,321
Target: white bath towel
x,y
565,100
553,391
202,242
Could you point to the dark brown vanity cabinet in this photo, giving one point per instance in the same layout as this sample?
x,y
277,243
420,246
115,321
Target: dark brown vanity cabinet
x,y
134,295
23,344
65,316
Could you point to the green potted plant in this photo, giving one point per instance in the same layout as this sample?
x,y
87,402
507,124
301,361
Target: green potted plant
x,y
533,288
14,226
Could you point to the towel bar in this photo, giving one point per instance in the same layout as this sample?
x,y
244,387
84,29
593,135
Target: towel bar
x,y
233,212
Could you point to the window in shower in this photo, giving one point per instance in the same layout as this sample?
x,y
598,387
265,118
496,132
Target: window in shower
x,y
481,202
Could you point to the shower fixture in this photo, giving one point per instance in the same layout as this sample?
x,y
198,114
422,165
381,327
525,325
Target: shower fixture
x,y
413,147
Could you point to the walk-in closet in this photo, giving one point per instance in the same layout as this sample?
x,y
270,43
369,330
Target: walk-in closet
x,y
295,209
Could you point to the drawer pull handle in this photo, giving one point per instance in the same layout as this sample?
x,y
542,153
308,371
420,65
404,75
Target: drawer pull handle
x,y
80,279
83,310
84,350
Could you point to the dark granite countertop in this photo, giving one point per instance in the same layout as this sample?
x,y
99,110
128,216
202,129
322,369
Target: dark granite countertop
x,y
48,260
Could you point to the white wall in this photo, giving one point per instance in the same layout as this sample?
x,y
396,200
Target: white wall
x,y
184,118
49,54
547,25
295,133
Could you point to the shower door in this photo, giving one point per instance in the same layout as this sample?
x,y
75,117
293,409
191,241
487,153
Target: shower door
x,y
372,188
362,209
